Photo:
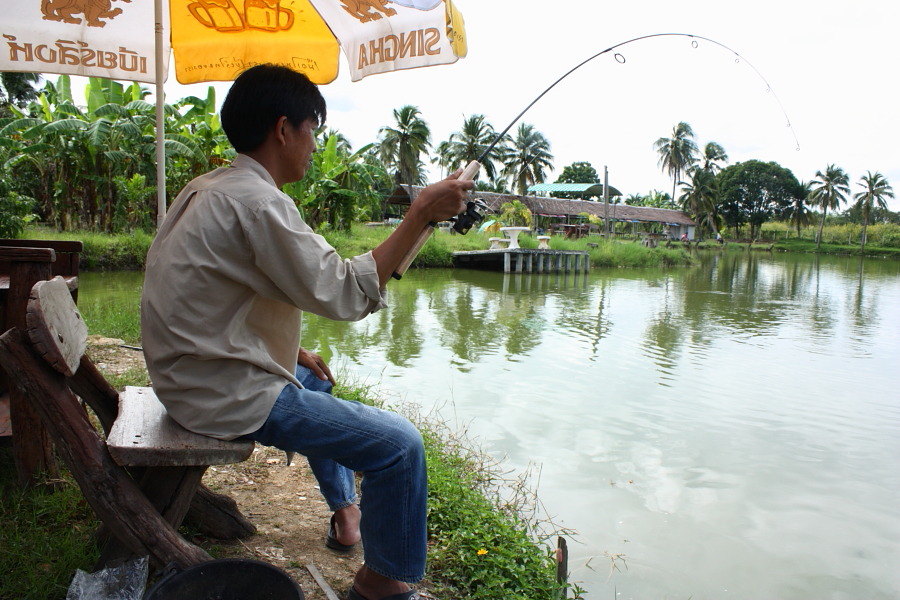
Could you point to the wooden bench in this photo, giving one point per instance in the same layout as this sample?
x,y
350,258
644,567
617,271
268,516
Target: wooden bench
x,y
142,479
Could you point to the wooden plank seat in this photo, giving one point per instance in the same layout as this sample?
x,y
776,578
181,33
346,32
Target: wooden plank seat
x,y
143,478
144,435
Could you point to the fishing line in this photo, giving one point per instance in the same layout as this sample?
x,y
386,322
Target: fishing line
x,y
620,58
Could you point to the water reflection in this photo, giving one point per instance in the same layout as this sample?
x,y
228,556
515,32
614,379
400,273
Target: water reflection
x,y
747,297
749,402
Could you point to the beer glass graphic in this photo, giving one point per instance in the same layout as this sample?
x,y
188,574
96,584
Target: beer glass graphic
x,y
267,15
221,15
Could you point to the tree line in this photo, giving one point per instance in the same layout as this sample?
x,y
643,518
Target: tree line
x,y
754,192
93,167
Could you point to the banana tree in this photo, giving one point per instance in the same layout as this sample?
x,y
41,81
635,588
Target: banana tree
x,y
338,188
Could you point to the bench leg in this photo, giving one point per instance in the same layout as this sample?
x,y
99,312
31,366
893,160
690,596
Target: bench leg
x,y
170,490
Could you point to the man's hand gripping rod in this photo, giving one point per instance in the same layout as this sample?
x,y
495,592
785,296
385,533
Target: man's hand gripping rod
x,y
463,221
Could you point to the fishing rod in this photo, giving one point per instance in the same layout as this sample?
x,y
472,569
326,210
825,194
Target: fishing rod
x,y
476,209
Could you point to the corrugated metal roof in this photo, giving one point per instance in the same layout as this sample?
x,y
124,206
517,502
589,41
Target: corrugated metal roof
x,y
588,189
546,205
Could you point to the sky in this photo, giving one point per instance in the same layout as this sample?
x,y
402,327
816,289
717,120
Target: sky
x,y
817,84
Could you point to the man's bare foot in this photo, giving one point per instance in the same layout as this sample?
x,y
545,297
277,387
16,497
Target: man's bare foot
x,y
346,525
373,586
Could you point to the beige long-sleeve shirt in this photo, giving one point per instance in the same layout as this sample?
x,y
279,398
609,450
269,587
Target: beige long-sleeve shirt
x,y
226,279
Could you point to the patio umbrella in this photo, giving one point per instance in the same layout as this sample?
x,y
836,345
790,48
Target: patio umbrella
x,y
214,40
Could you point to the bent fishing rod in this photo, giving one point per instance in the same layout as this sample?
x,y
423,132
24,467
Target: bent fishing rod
x,y
476,209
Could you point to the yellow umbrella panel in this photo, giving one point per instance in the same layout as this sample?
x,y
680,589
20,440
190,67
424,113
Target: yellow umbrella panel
x,y
214,40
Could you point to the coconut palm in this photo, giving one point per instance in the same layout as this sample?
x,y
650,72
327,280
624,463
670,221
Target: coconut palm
x,y
469,144
875,191
676,153
701,198
828,190
17,88
402,145
713,154
527,158
797,212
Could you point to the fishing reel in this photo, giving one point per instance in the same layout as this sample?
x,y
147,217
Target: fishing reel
x,y
474,214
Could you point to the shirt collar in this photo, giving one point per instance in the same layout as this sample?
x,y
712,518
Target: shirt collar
x,y
242,161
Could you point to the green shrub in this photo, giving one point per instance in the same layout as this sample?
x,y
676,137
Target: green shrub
x,y
15,212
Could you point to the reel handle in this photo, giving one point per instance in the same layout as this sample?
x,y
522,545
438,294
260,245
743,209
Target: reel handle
x,y
468,173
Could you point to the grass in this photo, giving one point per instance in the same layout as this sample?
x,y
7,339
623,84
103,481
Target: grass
x,y
883,238
102,252
804,245
128,251
438,251
46,533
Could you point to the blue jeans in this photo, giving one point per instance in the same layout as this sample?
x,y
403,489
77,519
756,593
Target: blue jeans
x,y
339,437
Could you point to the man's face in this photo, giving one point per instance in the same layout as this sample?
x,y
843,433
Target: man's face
x,y
300,147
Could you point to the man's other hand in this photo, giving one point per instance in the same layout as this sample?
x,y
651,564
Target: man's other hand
x,y
314,363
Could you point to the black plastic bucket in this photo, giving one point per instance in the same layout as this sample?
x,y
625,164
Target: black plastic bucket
x,y
227,579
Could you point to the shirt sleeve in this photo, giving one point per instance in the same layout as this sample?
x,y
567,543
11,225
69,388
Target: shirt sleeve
x,y
308,270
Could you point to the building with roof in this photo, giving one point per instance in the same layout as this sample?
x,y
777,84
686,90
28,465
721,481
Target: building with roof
x,y
560,211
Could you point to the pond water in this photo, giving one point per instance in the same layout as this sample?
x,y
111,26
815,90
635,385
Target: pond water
x,y
730,430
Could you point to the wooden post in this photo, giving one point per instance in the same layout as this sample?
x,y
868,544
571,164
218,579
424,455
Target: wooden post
x,y
31,448
562,562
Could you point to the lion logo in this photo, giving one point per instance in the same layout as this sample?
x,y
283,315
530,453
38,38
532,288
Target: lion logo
x,y
93,11
367,10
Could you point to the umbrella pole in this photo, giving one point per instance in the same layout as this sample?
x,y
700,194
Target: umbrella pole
x,y
160,122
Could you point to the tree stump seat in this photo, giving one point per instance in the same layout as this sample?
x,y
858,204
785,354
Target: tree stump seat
x,y
145,476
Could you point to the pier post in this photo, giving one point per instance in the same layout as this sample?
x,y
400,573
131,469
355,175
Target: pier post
x,y
506,262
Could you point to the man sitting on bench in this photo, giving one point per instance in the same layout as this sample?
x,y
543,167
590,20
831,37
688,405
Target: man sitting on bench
x,y
227,277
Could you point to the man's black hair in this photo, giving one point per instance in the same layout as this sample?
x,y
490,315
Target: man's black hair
x,y
260,96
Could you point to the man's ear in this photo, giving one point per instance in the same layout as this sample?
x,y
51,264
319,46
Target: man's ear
x,y
279,130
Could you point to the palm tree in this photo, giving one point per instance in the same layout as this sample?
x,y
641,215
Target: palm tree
x,y
17,88
701,198
469,144
828,190
401,146
798,213
676,153
875,189
527,158
713,154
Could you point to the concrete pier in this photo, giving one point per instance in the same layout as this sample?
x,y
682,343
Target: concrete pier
x,y
524,260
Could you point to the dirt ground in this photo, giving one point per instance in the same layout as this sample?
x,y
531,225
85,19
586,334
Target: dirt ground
x,y
282,501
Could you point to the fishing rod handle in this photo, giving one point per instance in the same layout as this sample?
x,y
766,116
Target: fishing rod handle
x,y
468,173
